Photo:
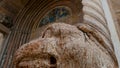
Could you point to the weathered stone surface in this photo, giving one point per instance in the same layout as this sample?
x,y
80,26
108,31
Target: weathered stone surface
x,y
64,46
115,7
1,40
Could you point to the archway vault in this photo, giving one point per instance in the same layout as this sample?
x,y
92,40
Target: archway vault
x,y
26,23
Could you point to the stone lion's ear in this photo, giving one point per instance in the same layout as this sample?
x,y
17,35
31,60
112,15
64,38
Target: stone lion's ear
x,y
47,32
52,30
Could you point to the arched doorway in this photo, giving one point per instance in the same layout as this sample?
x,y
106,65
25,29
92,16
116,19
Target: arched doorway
x,y
28,22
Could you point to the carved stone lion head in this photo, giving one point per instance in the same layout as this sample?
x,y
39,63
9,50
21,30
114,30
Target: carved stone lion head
x,y
63,46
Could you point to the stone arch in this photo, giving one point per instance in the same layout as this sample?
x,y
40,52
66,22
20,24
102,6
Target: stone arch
x,y
28,19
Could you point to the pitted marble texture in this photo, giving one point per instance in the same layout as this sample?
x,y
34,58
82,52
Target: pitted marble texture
x,y
64,46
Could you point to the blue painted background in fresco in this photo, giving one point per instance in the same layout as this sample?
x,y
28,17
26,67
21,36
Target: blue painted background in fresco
x,y
55,14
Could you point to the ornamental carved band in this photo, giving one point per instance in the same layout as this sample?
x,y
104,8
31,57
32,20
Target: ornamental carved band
x,y
86,45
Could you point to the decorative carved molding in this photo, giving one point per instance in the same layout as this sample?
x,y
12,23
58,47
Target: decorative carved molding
x,y
95,18
93,13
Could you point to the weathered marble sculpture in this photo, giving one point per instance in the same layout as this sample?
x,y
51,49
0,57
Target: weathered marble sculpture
x,y
66,46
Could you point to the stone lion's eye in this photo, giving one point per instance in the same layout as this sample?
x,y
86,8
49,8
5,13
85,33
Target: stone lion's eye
x,y
53,62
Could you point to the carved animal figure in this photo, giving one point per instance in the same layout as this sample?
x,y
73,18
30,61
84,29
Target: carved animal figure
x,y
65,46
